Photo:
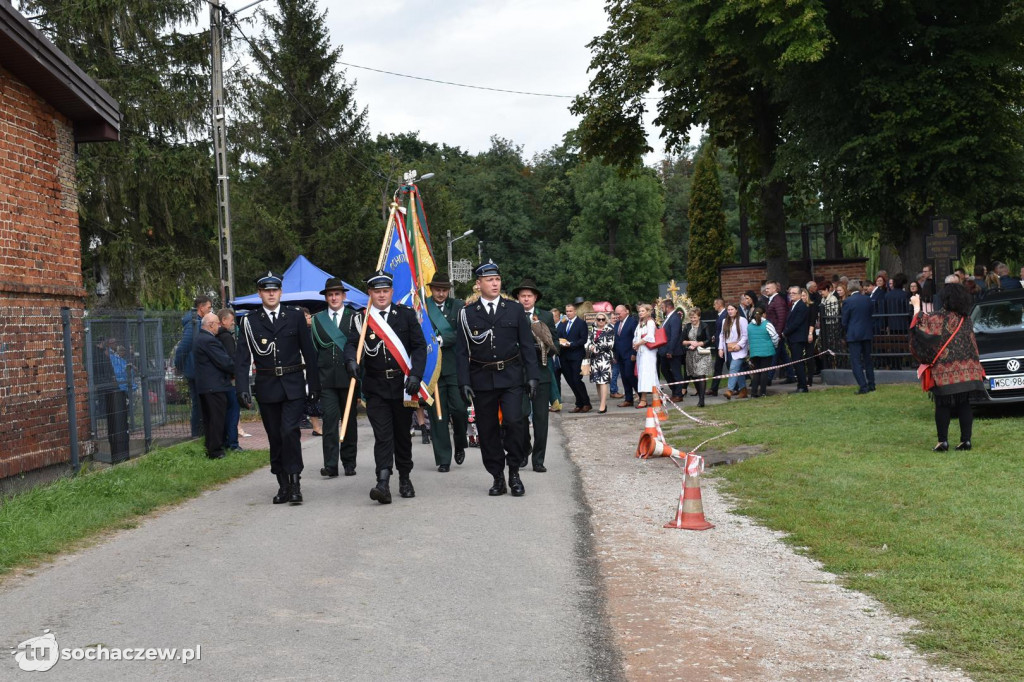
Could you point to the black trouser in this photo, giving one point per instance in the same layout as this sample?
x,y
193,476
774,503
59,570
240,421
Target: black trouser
x,y
796,351
117,425
215,411
281,422
538,406
626,368
719,368
571,370
759,381
195,415
453,409
943,414
392,442
500,444
332,400
670,369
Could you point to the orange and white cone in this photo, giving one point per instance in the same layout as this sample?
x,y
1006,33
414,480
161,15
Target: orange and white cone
x,y
659,407
651,429
690,512
663,449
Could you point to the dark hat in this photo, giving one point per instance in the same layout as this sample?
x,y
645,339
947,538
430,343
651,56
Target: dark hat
x,y
578,301
269,281
379,280
333,284
440,280
487,269
526,284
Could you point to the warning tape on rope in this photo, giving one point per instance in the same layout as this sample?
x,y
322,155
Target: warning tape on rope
x,y
750,371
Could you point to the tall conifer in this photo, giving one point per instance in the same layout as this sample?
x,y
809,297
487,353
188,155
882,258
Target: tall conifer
x,y
710,242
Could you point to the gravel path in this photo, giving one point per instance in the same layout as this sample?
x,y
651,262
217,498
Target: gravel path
x,y
731,603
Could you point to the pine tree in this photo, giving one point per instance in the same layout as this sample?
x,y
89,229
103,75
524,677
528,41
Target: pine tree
x,y
710,241
146,203
307,174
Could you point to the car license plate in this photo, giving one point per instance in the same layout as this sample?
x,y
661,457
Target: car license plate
x,y
1006,382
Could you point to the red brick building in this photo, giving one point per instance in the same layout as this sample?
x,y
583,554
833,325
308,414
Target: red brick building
x,y
48,106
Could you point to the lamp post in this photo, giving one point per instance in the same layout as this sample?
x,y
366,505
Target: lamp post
x,y
452,241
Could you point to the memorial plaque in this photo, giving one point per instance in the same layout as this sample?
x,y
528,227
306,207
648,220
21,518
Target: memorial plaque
x,y
942,247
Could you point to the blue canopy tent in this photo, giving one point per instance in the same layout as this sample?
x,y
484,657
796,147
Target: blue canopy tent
x,y
302,284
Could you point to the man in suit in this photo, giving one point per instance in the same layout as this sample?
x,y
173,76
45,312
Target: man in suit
x,y
720,360
670,355
394,358
331,330
495,346
856,320
214,370
1005,280
184,358
795,331
572,337
444,315
275,337
776,311
624,354
528,294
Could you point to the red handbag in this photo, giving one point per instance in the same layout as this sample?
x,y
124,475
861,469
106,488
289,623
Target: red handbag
x,y
660,339
924,372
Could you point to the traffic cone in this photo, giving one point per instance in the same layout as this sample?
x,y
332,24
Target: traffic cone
x,y
651,429
663,449
690,513
659,408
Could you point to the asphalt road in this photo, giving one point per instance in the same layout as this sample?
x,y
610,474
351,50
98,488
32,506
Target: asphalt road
x,y
451,585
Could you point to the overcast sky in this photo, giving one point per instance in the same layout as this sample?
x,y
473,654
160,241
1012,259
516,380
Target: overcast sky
x,y
528,45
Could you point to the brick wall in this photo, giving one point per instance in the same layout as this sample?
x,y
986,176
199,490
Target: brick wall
x,y
735,279
40,272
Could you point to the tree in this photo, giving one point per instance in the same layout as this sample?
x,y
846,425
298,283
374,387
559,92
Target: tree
x,y
146,203
616,249
710,241
677,178
719,65
307,177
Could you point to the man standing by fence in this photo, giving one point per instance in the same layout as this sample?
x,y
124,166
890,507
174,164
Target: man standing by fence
x,y
856,315
184,360
214,371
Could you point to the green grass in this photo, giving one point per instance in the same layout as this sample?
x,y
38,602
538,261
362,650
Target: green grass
x,y
42,522
935,536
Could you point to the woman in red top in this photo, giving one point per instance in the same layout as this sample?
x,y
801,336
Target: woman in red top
x,y
956,369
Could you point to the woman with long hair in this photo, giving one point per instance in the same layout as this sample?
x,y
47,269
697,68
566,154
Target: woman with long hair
x,y
945,340
734,339
646,358
763,340
599,348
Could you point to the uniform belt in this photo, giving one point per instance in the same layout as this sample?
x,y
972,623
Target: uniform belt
x,y
498,365
280,371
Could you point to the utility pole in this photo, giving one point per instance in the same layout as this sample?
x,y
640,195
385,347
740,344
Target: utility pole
x,y
220,152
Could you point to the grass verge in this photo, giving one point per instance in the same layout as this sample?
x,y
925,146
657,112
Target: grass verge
x,y
935,536
40,523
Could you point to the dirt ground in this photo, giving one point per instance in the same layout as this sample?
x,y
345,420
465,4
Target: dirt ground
x,y
730,603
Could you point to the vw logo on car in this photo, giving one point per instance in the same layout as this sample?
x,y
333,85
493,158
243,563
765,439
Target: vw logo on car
x,y
1013,365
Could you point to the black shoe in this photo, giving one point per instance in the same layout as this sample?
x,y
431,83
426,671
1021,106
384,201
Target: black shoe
x,y
329,472
350,471
515,484
700,402
236,448
713,393
941,447
306,424
540,468
405,488
219,455
382,491
460,456
800,390
282,489
870,389
863,391
294,490
499,487
966,445
444,469
426,436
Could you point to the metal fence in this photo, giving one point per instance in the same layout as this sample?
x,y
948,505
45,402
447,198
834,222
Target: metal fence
x,y
890,347
137,399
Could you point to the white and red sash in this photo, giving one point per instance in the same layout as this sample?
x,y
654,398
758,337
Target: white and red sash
x,y
394,345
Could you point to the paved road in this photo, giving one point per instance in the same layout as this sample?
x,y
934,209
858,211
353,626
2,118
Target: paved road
x,y
451,585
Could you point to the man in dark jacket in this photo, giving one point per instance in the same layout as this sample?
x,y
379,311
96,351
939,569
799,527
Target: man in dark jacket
x,y
184,360
625,356
776,311
332,329
444,315
720,361
394,359
214,369
572,337
276,338
226,336
856,319
670,355
528,294
795,331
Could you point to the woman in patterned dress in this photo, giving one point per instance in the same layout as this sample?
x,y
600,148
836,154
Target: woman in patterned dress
x,y
599,348
699,363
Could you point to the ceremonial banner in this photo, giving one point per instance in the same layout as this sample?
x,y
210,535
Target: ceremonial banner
x,y
399,257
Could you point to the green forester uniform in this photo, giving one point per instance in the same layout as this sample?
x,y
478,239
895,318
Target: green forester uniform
x,y
445,320
330,339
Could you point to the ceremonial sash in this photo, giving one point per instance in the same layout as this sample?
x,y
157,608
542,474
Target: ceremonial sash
x,y
395,346
333,331
437,318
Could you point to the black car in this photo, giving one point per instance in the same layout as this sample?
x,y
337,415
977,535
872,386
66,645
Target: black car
x,y
999,327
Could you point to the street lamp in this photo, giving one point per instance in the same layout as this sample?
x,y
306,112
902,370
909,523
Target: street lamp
x,y
452,241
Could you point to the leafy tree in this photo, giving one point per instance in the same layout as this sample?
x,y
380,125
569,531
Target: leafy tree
x,y
719,65
308,182
676,173
616,249
711,243
146,203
